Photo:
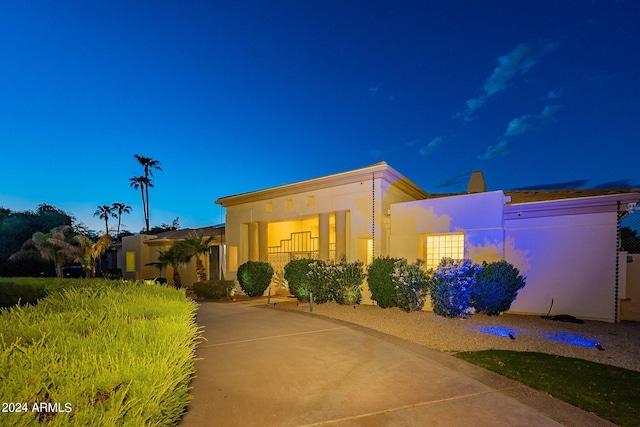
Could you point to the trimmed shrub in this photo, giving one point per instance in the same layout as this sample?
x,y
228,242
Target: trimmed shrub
x,y
452,285
497,287
214,289
296,273
409,282
380,282
254,277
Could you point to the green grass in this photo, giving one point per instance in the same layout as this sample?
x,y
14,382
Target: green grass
x,y
118,353
608,391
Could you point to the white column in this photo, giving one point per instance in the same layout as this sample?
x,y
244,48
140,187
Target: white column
x,y
323,236
263,241
341,234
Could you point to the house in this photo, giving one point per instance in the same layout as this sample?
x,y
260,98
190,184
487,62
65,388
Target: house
x,y
138,254
565,242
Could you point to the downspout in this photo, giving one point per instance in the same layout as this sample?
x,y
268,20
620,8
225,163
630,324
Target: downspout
x,y
373,215
617,283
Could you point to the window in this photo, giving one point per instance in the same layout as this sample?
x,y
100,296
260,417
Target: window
x,y
268,207
439,246
131,261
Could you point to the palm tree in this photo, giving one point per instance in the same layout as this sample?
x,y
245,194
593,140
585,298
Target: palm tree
x,y
139,182
175,257
105,212
120,208
93,251
149,165
195,245
59,245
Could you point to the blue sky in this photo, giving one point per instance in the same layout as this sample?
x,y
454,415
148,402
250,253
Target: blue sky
x,y
233,97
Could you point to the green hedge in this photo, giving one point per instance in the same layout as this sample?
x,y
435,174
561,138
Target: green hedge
x,y
108,353
296,273
379,278
214,289
254,277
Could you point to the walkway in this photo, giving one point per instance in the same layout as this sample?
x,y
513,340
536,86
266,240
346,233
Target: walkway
x,y
267,367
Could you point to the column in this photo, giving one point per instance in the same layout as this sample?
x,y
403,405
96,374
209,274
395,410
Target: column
x,y
254,252
323,236
263,241
341,234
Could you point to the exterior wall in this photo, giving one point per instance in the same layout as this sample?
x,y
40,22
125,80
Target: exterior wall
x,y
479,216
630,306
568,258
144,255
363,209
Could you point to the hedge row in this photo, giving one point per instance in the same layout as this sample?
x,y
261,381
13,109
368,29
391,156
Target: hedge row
x,y
99,353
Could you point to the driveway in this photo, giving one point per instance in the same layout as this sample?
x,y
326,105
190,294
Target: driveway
x,y
265,367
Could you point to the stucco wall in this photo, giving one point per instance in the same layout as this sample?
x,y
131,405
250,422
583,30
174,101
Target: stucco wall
x,y
630,307
570,259
479,216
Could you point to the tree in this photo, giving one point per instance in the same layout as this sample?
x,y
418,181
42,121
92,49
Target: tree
x,y
149,165
139,183
59,245
120,208
195,245
105,212
93,252
175,257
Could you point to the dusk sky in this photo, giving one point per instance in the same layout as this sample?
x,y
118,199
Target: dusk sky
x,y
233,97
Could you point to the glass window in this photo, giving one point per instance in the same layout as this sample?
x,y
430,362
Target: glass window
x,y
438,246
131,261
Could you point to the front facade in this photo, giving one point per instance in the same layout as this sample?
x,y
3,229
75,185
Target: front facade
x,y
326,218
568,249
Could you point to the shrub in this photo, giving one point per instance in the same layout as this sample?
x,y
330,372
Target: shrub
x,y
320,281
409,282
296,273
497,287
380,281
347,282
452,285
340,281
21,293
214,289
254,277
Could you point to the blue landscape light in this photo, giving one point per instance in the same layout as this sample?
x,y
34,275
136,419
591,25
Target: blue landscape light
x,y
500,331
571,338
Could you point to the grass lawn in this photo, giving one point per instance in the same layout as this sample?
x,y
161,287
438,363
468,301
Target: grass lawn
x,y
608,391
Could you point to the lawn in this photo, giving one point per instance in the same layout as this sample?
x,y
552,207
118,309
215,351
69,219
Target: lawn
x,y
607,391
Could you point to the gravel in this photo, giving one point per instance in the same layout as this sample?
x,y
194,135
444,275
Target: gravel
x,y
620,343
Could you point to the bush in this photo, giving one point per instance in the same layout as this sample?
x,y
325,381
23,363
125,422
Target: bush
x,y
296,273
409,282
380,281
21,293
320,281
214,289
89,345
254,277
347,282
452,285
340,282
497,287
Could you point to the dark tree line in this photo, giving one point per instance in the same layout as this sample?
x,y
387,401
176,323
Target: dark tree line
x,y
18,227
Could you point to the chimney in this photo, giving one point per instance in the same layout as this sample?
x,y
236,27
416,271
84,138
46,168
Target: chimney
x,y
476,183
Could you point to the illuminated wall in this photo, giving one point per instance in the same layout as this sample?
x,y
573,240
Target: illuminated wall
x,y
478,216
570,259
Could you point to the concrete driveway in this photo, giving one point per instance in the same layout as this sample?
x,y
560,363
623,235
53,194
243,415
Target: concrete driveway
x,y
261,366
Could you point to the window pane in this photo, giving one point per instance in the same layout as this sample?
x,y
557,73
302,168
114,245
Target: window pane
x,y
443,245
